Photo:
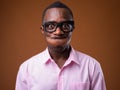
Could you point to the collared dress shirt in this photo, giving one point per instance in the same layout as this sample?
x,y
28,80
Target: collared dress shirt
x,y
80,72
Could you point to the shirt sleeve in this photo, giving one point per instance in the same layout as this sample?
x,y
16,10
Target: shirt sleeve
x,y
21,84
98,82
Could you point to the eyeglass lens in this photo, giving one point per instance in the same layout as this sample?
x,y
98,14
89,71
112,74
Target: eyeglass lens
x,y
66,26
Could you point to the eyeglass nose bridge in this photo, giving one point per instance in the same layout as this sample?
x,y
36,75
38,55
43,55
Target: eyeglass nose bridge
x,y
59,25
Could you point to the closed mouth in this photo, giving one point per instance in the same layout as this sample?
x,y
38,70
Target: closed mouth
x,y
59,37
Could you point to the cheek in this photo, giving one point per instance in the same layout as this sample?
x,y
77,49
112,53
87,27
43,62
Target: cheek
x,y
47,36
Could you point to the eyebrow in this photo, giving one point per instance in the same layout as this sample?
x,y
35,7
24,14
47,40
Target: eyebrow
x,y
67,21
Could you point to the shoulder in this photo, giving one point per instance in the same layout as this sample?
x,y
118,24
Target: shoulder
x,y
88,62
84,56
85,59
34,60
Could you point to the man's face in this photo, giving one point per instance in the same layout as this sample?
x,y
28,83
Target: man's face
x,y
57,37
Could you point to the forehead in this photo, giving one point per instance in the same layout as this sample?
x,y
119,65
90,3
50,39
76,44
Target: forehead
x,y
57,14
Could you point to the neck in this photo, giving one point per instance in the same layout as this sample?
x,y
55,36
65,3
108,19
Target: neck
x,y
60,52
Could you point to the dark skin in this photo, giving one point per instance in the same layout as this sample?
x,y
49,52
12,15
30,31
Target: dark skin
x,y
58,42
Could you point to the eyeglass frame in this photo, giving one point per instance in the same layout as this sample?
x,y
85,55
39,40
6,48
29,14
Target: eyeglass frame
x,y
59,25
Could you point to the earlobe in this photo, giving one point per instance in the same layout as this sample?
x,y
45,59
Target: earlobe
x,y
42,29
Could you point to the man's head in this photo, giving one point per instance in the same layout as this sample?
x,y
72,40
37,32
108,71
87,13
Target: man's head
x,y
57,25
57,4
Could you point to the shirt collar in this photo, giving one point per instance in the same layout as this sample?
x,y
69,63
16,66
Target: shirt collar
x,y
46,56
72,57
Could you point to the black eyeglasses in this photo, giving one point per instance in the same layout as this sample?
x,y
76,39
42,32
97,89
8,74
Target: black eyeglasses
x,y
65,26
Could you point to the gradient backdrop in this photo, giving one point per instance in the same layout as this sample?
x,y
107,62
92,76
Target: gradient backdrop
x,y
97,30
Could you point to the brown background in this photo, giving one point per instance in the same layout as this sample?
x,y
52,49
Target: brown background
x,y
97,34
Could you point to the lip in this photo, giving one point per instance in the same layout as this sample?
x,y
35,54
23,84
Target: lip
x,y
59,37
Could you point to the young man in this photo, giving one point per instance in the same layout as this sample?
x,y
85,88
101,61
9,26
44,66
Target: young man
x,y
59,67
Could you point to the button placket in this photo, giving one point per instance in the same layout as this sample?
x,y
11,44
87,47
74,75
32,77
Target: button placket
x,y
61,80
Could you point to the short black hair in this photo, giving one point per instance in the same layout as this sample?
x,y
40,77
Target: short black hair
x,y
57,4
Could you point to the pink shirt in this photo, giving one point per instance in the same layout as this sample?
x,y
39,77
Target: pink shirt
x,y
80,72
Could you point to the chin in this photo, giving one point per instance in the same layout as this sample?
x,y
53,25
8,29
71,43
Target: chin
x,y
58,48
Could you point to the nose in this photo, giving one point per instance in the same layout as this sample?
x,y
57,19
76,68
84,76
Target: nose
x,y
58,31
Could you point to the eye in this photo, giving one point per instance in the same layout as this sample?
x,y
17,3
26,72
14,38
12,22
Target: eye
x,y
66,27
50,26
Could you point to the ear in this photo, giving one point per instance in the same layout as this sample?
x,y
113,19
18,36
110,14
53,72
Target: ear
x,y
42,29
